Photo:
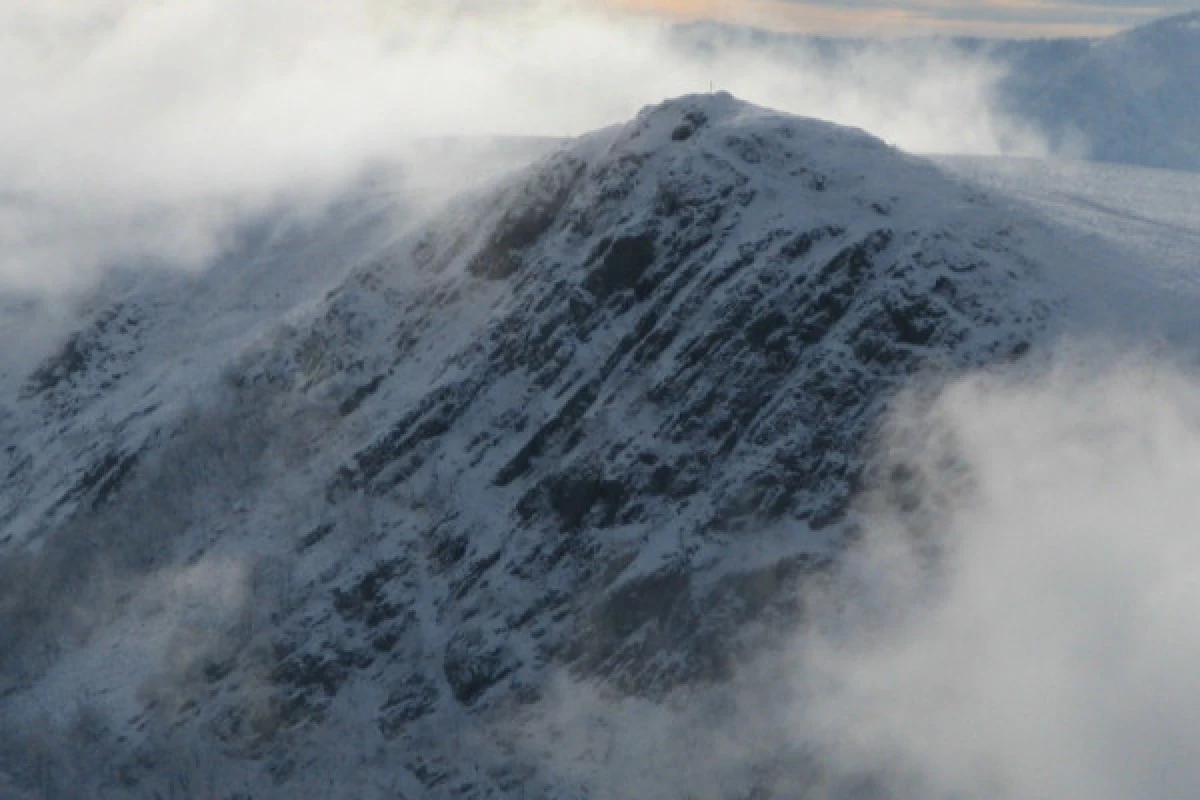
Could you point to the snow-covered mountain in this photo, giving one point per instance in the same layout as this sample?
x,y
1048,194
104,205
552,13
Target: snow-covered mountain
x,y
333,513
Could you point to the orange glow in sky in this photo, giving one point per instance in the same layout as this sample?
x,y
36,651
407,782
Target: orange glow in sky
x,y
1018,18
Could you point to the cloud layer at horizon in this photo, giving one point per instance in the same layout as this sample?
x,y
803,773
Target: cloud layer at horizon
x,y
1016,18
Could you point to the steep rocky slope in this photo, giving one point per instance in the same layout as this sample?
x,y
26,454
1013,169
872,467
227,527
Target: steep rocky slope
x,y
602,419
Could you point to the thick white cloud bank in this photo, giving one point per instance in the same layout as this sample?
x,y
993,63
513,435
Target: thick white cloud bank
x,y
1055,655
141,131
1017,623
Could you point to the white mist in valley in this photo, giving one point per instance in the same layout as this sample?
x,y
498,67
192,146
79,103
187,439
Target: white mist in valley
x,y
147,132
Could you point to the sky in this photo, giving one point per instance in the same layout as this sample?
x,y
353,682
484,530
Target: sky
x,y
1021,18
149,131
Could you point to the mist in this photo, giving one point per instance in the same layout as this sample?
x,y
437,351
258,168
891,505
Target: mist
x,y
1053,654
1016,620
145,133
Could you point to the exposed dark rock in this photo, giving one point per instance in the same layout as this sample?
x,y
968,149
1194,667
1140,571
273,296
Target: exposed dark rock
x,y
367,600
407,703
573,496
472,665
528,217
351,403
623,265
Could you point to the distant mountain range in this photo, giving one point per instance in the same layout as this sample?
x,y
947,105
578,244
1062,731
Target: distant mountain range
x,y
1132,98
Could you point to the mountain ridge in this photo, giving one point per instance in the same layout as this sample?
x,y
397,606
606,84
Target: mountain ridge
x,y
603,419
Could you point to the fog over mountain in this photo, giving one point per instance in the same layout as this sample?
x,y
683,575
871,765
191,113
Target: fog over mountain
x,y
354,446
150,131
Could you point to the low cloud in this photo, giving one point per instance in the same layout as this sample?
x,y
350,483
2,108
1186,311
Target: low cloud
x,y
1016,622
1045,650
145,132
